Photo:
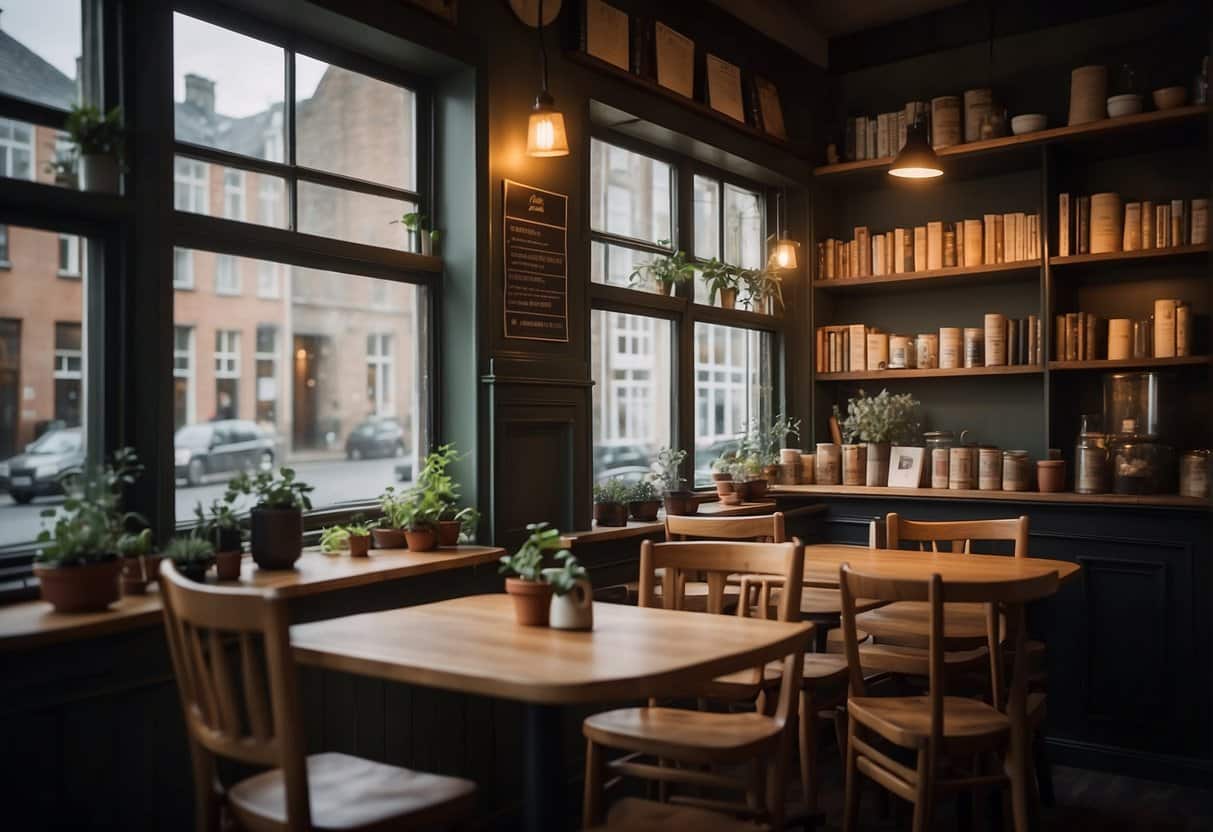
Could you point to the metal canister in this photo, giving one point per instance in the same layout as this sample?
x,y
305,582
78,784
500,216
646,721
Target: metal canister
x,y
1091,464
901,352
938,442
962,467
974,338
927,349
1016,471
828,464
989,468
1194,474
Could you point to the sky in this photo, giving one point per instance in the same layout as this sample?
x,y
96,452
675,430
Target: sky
x,y
248,74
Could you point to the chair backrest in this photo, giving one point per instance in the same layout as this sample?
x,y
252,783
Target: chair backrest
x,y
236,676
936,593
961,533
765,527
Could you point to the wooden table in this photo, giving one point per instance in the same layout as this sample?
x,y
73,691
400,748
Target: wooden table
x,y
472,645
822,561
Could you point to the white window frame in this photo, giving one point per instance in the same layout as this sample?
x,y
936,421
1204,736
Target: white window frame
x,y
382,360
10,145
183,278
270,191
269,280
233,194
5,242
188,355
74,266
64,357
227,275
272,357
227,353
192,179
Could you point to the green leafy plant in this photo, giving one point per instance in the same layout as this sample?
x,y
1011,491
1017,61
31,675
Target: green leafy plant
x,y
190,550
433,476
643,491
133,545
613,490
763,440
667,469
413,221
761,285
336,538
220,515
469,522
88,525
94,132
391,503
881,418
281,492
719,277
664,270
564,576
527,562
725,463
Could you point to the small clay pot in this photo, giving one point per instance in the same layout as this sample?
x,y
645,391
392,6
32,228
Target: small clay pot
x,y
360,545
758,489
665,287
388,538
277,537
421,540
195,570
725,487
770,473
730,499
90,587
728,298
227,565
448,532
134,578
644,510
532,601
1051,475
681,503
610,514
721,476
227,540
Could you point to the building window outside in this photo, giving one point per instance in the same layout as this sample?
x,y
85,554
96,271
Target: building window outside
x,y
733,377
266,359
191,185
183,269
269,201
69,255
269,282
233,194
379,369
227,275
184,400
729,224
16,149
227,373
4,261
69,373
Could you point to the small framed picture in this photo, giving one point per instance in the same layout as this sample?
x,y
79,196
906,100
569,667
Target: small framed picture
x,y
769,107
905,467
724,88
606,33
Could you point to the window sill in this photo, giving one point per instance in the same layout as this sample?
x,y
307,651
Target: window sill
x,y
68,275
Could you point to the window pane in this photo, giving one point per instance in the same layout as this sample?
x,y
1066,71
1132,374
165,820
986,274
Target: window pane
x,y
354,125
732,385
356,217
42,372
633,388
707,218
629,194
227,90
613,265
327,373
743,228
40,65
231,193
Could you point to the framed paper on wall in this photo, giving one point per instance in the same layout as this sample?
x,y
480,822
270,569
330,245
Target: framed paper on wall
x,y
675,60
724,88
605,33
770,110
905,467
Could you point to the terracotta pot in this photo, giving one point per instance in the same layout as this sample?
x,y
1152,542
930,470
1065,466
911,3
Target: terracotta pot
x,y
1051,475
644,510
134,576
277,538
728,298
721,476
610,514
195,571
725,488
88,588
227,565
770,473
665,288
421,540
877,472
388,538
758,489
360,545
227,540
730,499
532,601
681,503
448,532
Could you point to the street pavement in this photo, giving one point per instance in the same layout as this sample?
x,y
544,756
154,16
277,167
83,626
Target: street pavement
x,y
336,481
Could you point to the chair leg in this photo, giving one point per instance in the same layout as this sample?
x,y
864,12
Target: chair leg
x,y
1044,771
850,818
591,808
923,792
1017,772
808,748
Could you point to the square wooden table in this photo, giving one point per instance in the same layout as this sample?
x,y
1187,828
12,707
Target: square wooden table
x,y
473,645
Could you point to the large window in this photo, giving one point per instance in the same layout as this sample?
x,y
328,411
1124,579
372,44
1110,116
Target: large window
x,y
16,149
729,226
631,213
183,374
732,387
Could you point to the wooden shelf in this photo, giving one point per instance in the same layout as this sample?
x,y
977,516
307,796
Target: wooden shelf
x,y
942,277
1065,497
1130,363
1153,254
1091,130
1016,370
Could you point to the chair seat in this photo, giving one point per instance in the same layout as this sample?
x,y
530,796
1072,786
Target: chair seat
x,y
835,644
913,661
636,815
906,622
906,720
694,595
693,736
352,793
819,669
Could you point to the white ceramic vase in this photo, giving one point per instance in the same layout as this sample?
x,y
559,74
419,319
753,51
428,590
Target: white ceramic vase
x,y
574,610
99,173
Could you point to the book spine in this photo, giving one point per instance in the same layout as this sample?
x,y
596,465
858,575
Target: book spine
x,y
1198,233
995,326
973,242
878,351
1131,239
1177,222
857,355
1059,337
1162,226
1089,340
1072,329
1120,339
989,254
1106,217
949,245
1164,324
920,248
1063,225
1008,238
1084,225
1183,329
1147,224
935,245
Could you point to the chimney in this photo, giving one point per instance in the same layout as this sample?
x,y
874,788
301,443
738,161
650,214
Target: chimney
x,y
200,92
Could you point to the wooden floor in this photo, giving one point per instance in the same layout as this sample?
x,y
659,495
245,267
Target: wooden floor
x,y
1086,800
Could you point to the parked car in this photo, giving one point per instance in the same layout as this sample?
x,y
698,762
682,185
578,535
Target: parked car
x,y
225,446
630,463
404,470
41,470
377,437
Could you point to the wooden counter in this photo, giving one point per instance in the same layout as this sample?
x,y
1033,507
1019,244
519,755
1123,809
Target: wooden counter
x,y
1064,497
34,623
640,528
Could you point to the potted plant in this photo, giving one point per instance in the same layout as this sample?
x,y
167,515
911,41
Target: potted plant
x,y
763,442
572,604
277,516
434,476
462,524
419,519
722,475
64,170
420,239
747,478
879,421
137,569
667,470
191,555
220,526
762,287
435,237
354,536
389,534
665,271
643,501
722,279
98,140
78,564
528,587
610,503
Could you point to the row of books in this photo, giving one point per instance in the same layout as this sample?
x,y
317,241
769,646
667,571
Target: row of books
x,y
881,136
996,238
1102,223
999,342
1084,336
950,120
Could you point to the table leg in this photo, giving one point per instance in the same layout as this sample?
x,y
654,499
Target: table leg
x,y
544,807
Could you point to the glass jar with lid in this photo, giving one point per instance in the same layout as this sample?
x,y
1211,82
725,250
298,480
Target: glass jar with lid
x,y
1138,465
938,442
1091,458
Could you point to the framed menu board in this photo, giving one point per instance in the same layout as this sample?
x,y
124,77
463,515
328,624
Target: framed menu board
x,y
769,108
536,264
724,88
675,60
606,33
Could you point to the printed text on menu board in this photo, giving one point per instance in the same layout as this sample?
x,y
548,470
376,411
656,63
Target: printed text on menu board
x,y
536,269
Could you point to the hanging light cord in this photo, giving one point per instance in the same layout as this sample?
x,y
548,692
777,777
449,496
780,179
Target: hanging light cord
x,y
543,47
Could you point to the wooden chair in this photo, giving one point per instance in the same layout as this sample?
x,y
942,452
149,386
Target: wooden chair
x,y
232,656
939,730
698,739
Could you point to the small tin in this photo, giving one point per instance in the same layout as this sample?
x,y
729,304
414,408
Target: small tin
x,y
989,469
1194,474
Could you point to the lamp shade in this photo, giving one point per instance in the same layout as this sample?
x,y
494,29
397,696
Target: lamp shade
x,y
917,159
545,134
785,254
